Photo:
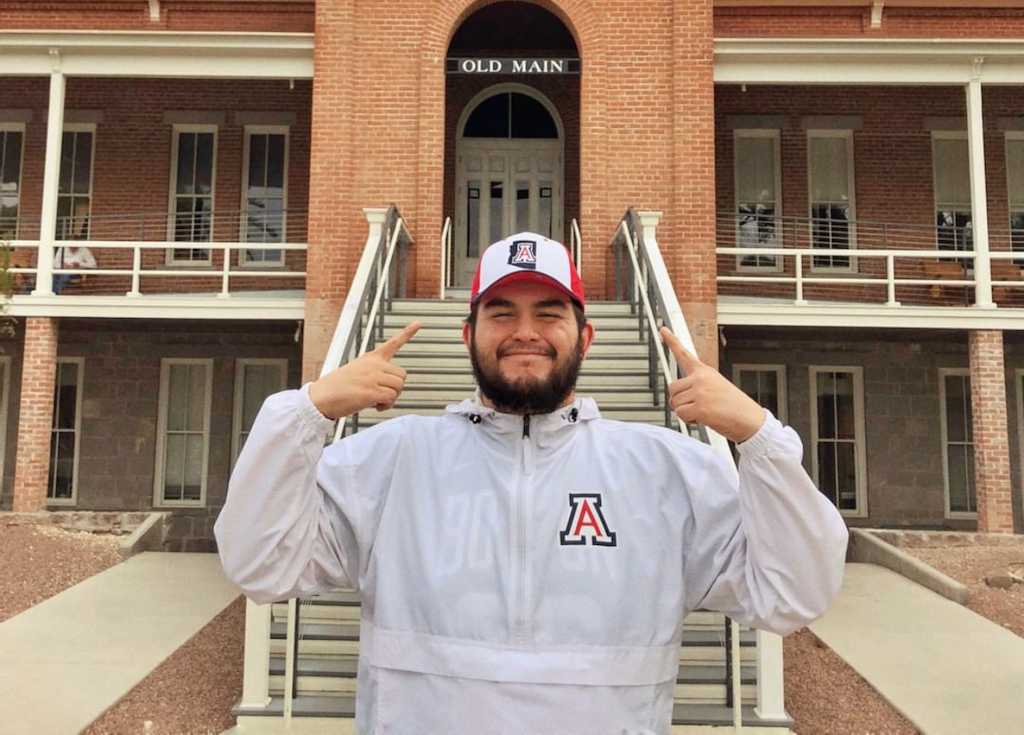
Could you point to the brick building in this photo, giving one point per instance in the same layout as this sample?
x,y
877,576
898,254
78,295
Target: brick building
x,y
226,162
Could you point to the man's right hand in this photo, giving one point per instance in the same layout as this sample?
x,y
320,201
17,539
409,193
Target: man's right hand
x,y
369,380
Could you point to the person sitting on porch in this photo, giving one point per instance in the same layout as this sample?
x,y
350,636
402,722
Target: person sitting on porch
x,y
71,256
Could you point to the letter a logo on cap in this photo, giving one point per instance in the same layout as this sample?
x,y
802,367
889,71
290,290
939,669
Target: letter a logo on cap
x,y
523,254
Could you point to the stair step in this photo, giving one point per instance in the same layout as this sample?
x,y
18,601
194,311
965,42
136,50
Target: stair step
x,y
590,379
602,323
617,412
453,333
629,364
455,347
451,306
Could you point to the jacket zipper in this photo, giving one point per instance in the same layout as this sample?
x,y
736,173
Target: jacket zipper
x,y
522,599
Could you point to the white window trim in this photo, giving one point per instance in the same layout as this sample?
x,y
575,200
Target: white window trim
x,y
80,362
85,128
161,440
242,229
944,135
860,446
776,135
780,373
17,127
943,372
236,422
176,129
1011,135
851,179
5,385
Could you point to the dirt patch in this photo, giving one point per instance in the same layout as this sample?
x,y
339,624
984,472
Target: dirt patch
x,y
969,565
192,691
825,696
41,561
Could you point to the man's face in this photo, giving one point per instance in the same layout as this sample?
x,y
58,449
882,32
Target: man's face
x,y
526,347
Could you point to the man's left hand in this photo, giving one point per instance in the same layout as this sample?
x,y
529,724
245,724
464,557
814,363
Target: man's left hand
x,y
706,397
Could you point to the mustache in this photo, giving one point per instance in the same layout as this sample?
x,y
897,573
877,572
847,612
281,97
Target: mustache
x,y
548,351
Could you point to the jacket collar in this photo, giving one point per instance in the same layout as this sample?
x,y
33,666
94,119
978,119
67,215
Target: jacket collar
x,y
582,409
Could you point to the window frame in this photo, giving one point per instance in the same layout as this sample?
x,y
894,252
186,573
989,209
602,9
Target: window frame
x,y
948,513
236,420
851,178
776,136
159,470
248,130
5,386
17,127
860,436
780,378
176,130
83,128
80,363
1016,136
937,135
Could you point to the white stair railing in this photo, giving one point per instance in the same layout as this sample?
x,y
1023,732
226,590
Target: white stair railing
x,y
576,246
446,254
650,289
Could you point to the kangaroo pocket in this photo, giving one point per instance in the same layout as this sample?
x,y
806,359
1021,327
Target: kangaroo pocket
x,y
434,684
414,703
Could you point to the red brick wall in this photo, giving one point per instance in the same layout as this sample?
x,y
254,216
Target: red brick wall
x,y
132,166
35,414
732,22
292,16
991,441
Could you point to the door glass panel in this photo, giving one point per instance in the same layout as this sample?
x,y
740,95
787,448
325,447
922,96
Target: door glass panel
x,y
522,206
544,224
473,219
497,209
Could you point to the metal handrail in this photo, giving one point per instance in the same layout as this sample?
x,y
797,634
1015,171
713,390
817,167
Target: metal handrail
x,y
446,253
576,247
652,292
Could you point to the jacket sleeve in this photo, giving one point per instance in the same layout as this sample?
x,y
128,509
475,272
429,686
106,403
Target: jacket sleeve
x,y
300,519
769,549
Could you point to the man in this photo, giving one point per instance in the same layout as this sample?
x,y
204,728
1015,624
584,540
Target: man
x,y
525,565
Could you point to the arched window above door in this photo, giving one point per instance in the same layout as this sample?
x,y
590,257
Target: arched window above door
x,y
510,115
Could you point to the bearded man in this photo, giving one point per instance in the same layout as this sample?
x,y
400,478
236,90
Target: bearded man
x,y
525,565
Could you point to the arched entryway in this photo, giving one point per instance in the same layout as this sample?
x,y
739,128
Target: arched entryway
x,y
512,137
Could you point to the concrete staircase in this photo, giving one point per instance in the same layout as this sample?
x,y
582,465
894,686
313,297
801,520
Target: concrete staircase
x,y
616,374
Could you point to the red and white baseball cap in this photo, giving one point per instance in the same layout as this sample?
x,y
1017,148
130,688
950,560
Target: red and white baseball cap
x,y
527,256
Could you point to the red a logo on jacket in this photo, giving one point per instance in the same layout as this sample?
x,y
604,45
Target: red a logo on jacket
x,y
586,521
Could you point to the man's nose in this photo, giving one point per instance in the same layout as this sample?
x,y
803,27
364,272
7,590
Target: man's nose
x,y
526,330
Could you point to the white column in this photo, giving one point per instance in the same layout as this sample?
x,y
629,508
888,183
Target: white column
x,y
51,180
979,201
771,702
256,674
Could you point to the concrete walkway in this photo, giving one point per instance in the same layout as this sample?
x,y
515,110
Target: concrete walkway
x,y
947,669
69,658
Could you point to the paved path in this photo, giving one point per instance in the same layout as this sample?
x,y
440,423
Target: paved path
x,y
947,669
69,658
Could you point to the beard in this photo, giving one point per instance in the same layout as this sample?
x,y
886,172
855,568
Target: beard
x,y
527,395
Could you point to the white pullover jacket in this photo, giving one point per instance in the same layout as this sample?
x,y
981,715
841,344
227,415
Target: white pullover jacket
x,y
526,576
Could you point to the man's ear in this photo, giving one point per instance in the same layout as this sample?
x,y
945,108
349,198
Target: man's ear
x,y
465,333
587,336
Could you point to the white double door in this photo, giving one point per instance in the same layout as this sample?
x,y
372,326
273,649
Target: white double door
x,y
503,187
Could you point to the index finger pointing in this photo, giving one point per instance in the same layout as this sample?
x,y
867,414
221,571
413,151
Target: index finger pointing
x,y
390,348
684,357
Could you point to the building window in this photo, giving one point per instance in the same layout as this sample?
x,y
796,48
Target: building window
x,y
74,191
1015,189
193,172
766,384
758,196
265,200
255,379
62,486
952,181
183,440
12,143
837,431
957,442
831,191
5,390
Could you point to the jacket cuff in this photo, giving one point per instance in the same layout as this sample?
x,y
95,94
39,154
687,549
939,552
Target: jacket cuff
x,y
309,414
763,438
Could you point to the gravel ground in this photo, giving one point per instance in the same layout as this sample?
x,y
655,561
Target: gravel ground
x,y
824,695
190,693
970,565
37,562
